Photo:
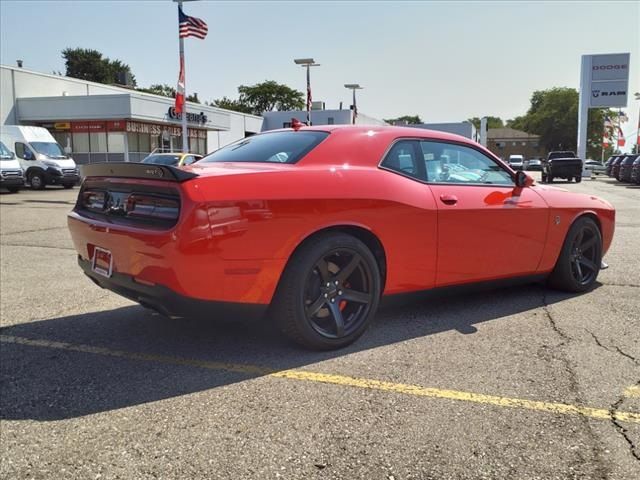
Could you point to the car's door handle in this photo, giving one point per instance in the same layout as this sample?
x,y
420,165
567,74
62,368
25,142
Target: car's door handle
x,y
448,199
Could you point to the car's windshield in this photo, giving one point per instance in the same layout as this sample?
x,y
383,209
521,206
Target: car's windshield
x,y
5,153
162,159
50,149
276,147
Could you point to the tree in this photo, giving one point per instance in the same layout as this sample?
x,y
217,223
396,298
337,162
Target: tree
x,y
229,104
270,95
553,115
88,64
161,89
165,90
492,122
405,119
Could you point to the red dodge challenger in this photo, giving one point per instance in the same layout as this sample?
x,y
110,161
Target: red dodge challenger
x,y
317,223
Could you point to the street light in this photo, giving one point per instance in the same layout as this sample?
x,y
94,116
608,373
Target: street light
x,y
637,95
353,87
307,62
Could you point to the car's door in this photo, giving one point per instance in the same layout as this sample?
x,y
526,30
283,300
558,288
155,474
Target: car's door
x,y
487,227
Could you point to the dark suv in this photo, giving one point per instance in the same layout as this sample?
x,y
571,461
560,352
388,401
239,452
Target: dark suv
x,y
635,171
625,168
615,166
608,165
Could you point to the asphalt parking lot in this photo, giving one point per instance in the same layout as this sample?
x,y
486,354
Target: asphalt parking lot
x,y
517,383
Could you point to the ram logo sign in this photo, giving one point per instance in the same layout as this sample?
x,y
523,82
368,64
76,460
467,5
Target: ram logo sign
x,y
609,80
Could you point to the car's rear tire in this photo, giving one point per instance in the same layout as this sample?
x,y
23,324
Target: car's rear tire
x,y
578,179
36,179
579,262
13,189
67,186
328,293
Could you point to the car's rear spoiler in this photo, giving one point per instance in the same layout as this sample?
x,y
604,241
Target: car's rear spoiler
x,y
136,170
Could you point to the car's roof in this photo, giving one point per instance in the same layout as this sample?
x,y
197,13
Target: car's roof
x,y
350,141
385,132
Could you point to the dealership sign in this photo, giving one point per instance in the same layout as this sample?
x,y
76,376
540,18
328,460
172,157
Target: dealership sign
x,y
608,80
604,83
199,118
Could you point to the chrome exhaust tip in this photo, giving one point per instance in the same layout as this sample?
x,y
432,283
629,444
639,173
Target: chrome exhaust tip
x,y
603,266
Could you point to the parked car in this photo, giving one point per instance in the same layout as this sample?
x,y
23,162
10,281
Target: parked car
x,y
562,164
625,168
516,162
11,174
608,163
615,166
175,159
635,171
534,164
595,167
352,213
42,159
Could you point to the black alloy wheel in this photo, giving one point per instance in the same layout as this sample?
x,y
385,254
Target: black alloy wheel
x,y
580,259
337,293
328,293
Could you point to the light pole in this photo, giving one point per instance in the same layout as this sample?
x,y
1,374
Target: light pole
x,y
353,87
308,63
637,95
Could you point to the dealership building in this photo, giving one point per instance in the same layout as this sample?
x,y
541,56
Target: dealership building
x,y
96,122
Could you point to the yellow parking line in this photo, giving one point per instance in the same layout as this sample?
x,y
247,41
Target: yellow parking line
x,y
343,380
632,391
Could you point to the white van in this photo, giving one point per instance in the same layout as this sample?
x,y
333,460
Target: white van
x,y
42,159
517,162
11,174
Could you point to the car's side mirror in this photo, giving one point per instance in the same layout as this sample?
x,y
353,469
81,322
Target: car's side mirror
x,y
523,180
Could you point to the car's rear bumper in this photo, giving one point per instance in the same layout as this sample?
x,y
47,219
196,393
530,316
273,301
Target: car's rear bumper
x,y
168,302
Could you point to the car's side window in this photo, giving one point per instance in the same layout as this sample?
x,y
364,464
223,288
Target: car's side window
x,y
403,158
188,160
451,163
20,149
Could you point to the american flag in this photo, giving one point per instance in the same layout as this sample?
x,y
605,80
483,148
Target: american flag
x,y
191,26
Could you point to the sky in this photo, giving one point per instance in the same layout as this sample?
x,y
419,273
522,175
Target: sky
x,y
445,61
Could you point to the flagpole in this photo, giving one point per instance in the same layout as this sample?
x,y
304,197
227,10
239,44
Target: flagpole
x,y
185,136
604,133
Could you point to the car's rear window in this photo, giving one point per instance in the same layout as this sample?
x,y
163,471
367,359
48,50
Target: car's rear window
x,y
276,147
162,159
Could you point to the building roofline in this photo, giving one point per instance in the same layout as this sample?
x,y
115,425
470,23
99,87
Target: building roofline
x,y
115,87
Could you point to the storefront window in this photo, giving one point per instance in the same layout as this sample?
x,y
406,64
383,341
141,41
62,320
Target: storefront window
x,y
98,142
80,142
115,142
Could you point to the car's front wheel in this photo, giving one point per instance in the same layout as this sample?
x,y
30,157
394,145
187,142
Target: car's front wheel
x,y
36,179
328,293
579,262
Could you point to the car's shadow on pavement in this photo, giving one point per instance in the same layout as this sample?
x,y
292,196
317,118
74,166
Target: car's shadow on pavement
x,y
44,383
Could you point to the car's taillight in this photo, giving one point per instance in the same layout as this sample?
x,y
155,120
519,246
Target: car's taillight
x,y
93,200
151,206
154,207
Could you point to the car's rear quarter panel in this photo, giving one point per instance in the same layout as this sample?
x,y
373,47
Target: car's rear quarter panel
x,y
269,222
